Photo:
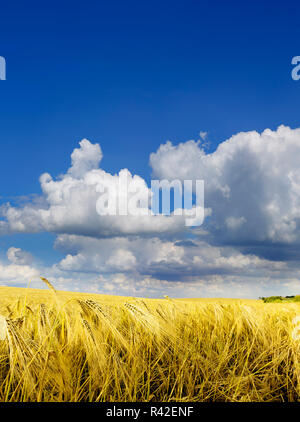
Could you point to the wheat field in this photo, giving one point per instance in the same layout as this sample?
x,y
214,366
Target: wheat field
x,y
70,347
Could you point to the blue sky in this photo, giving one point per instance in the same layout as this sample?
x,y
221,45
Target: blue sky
x,y
131,76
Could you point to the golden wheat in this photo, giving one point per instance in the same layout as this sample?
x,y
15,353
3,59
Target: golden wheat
x,y
78,347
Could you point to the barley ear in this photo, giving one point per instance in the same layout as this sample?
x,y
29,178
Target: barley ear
x,y
48,283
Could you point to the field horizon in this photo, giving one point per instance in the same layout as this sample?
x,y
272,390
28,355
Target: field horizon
x,y
62,293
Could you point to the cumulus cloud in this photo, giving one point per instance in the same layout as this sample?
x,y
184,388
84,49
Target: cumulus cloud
x,y
247,246
153,267
85,158
19,256
252,184
157,258
73,203
15,274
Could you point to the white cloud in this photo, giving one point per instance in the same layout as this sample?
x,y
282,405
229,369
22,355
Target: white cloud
x,y
249,243
153,267
17,274
85,158
19,256
252,183
70,203
234,222
157,258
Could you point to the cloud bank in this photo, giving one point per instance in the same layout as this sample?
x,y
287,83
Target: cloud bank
x,y
247,246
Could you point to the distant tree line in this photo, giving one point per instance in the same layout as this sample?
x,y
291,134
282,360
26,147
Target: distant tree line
x,y
280,299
